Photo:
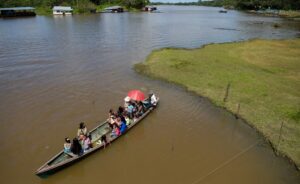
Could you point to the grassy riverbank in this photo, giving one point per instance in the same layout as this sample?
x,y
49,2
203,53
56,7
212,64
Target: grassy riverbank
x,y
263,77
289,13
280,13
43,11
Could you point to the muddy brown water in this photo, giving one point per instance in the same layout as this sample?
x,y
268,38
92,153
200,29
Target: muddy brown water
x,y
58,71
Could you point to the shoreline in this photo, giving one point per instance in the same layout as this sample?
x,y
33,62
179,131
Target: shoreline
x,y
273,146
288,14
143,69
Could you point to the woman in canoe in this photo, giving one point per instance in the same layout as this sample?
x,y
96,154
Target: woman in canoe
x,y
116,131
76,147
111,113
131,110
127,120
120,111
118,121
82,130
67,145
104,140
86,143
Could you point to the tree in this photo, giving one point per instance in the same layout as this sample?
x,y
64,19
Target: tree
x,y
135,3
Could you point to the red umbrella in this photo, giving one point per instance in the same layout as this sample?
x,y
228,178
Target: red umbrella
x,y
136,95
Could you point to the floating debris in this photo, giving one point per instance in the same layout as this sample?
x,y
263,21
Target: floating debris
x,y
227,29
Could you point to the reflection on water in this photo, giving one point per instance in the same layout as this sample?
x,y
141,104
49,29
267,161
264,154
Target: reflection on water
x,y
58,71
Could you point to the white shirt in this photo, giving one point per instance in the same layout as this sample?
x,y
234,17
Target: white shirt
x,y
153,99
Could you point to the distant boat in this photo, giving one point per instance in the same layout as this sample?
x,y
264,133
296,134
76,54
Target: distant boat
x,y
222,11
62,10
149,8
17,12
62,159
113,9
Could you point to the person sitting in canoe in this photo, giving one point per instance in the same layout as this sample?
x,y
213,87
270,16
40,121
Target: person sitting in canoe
x,y
140,109
111,121
123,127
67,145
82,130
127,120
116,131
118,121
86,143
76,147
104,141
122,116
153,99
131,110
120,111
126,102
111,113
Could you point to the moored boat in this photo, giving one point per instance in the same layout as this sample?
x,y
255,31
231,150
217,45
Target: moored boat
x,y
62,159
149,8
113,9
17,12
222,11
62,10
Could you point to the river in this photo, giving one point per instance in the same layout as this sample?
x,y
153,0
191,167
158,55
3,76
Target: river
x,y
58,71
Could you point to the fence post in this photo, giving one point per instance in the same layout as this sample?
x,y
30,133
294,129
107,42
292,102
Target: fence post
x,y
227,92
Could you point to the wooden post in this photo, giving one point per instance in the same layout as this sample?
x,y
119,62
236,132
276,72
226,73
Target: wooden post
x,y
238,111
280,133
227,92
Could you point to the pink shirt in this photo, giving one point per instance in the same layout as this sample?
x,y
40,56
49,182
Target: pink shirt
x,y
86,143
117,131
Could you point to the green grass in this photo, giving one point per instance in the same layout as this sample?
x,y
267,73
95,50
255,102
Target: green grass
x,y
264,76
43,11
101,7
289,13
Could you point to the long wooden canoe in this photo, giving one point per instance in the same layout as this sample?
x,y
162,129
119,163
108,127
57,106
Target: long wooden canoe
x,y
62,159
